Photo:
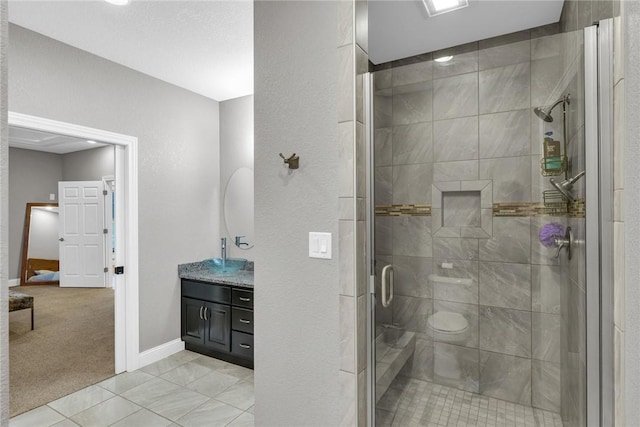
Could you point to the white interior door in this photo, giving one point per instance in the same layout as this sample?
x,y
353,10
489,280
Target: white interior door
x,y
82,238
109,224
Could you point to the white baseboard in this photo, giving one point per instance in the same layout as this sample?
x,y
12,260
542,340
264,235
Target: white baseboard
x,y
14,282
154,354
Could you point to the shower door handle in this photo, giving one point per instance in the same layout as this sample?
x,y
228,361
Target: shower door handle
x,y
387,271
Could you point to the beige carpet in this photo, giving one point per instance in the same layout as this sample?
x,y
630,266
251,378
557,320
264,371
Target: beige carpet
x,y
70,348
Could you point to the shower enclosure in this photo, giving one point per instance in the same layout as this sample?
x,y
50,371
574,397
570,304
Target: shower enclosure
x,y
488,244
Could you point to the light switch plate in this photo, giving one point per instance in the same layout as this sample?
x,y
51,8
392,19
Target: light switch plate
x,y
319,245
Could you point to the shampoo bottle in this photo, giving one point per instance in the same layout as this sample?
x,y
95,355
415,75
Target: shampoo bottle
x,y
552,154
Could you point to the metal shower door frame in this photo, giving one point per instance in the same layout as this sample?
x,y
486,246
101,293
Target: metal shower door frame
x,y
598,57
370,238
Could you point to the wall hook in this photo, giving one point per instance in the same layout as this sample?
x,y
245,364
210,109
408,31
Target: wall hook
x,y
292,161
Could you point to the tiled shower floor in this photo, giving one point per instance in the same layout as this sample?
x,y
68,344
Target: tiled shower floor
x,y
409,402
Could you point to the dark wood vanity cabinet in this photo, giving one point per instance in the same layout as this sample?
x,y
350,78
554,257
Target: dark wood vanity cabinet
x,y
217,320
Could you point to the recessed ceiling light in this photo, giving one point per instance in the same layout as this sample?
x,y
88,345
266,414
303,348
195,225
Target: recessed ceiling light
x,y
437,7
444,58
118,2
91,142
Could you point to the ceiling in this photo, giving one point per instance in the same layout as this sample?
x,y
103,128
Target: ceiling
x,y
203,46
29,139
400,28
207,46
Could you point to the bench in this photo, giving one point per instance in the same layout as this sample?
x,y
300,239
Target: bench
x,y
20,301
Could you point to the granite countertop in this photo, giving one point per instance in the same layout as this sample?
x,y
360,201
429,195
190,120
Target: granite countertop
x,y
203,272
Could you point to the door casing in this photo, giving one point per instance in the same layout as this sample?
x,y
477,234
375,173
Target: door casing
x,y
126,307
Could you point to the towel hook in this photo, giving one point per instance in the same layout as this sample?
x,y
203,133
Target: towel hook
x,y
292,161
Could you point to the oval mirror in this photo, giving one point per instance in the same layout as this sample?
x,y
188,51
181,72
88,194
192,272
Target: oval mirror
x,y
238,207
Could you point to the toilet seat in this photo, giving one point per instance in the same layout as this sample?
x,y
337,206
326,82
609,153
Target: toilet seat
x,y
447,322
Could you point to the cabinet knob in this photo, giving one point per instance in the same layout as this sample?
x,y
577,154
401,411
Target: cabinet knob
x,y
245,321
245,346
245,299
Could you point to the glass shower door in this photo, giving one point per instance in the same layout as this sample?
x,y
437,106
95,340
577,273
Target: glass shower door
x,y
477,173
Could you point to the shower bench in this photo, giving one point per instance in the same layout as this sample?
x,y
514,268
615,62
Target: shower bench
x,y
391,356
20,301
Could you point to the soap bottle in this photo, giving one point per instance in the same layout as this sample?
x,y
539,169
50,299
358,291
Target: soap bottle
x,y
552,154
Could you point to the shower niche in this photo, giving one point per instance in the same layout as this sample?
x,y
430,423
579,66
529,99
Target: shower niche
x,y
462,209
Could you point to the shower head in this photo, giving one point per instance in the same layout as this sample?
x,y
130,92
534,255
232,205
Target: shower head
x,y
545,112
566,186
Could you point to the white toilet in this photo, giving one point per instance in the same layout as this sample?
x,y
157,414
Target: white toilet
x,y
447,326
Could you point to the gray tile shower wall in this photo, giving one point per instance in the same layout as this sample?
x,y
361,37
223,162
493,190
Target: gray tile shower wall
x,y
467,120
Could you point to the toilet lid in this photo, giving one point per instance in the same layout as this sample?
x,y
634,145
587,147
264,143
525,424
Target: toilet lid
x,y
447,321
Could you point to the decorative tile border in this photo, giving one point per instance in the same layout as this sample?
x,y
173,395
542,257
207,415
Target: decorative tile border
x,y
577,209
572,210
403,210
528,209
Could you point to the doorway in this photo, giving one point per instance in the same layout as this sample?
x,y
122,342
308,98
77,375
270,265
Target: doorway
x,y
126,213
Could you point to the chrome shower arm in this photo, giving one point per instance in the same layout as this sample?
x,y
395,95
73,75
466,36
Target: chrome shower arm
x,y
577,177
564,99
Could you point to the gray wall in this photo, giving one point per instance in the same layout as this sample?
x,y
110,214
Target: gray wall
x,y
33,175
631,337
236,151
296,328
89,165
618,217
178,157
577,14
4,216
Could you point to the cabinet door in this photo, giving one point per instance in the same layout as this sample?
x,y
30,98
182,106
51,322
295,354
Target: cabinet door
x,y
192,322
217,326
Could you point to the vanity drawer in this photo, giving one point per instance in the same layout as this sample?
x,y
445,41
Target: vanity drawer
x,y
242,320
242,298
242,344
206,291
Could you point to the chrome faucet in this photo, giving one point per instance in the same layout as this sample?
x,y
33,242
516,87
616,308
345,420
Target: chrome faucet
x,y
223,250
240,243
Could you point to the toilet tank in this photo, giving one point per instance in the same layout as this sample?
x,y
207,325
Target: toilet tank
x,y
453,289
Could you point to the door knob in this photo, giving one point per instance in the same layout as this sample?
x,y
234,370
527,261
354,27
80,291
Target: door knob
x,y
61,239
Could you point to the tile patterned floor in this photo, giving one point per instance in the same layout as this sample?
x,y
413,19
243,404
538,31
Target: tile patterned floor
x,y
185,389
409,402
188,389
